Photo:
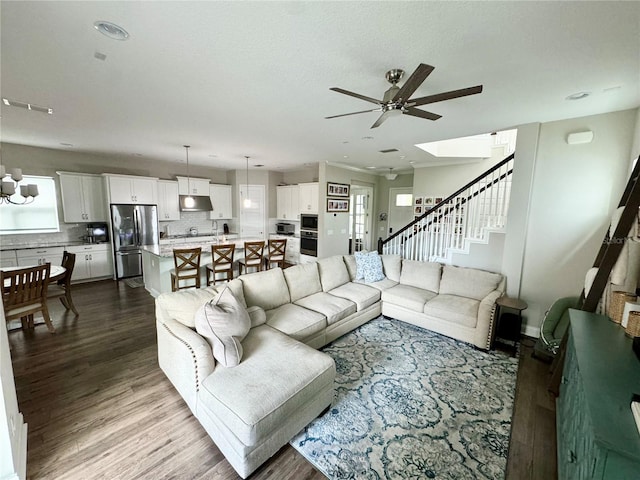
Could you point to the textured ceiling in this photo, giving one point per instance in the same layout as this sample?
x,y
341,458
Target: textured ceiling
x,y
253,78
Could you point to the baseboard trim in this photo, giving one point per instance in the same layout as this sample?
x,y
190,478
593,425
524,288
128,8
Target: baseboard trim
x,y
530,331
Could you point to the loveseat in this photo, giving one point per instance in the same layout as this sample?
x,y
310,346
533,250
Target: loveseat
x,y
282,382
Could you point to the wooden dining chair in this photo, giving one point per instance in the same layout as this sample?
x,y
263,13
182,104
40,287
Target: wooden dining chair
x,y
187,267
275,253
253,256
222,262
62,288
24,293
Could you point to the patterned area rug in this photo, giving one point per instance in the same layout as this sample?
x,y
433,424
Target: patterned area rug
x,y
412,404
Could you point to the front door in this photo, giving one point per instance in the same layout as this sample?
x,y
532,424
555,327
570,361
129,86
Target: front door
x,y
360,218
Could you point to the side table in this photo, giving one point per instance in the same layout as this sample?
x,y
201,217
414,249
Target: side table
x,y
508,324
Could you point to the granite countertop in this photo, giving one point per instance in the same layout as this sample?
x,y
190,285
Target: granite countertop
x,y
167,250
24,246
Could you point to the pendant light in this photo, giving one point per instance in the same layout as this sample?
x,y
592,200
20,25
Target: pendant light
x,y
246,203
189,202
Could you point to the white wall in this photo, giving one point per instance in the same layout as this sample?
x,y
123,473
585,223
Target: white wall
x,y
13,430
518,216
574,191
442,181
333,228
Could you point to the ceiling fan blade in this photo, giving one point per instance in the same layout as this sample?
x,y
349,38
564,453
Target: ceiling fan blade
x,y
416,112
439,97
357,95
353,113
380,119
413,82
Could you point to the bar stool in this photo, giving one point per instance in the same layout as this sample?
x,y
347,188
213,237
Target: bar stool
x,y
275,253
253,256
187,267
222,262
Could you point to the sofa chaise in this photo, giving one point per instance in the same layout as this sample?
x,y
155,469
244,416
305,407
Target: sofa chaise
x,y
282,381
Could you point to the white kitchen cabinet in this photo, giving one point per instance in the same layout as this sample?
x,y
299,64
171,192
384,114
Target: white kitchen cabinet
x,y
168,204
220,201
92,262
288,202
83,198
28,257
8,258
129,189
309,197
193,186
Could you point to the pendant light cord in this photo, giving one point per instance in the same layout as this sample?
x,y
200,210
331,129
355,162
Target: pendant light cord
x,y
188,177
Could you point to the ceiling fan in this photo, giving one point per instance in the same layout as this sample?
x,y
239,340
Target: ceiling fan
x,y
396,100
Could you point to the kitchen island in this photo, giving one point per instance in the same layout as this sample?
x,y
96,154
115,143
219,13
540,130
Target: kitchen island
x,y
157,261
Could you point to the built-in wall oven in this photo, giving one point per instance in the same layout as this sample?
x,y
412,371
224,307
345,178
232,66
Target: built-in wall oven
x,y
309,242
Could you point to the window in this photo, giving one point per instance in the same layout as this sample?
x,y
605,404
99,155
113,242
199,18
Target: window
x,y
40,216
404,200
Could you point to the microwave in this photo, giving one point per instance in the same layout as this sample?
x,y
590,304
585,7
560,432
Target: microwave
x,y
285,228
308,222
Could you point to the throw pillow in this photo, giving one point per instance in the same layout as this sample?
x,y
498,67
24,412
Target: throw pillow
x,y
224,323
373,271
361,259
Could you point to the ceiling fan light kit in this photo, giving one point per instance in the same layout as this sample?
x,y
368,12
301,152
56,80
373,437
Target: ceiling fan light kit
x,y
397,100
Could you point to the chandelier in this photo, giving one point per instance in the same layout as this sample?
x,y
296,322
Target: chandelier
x,y
9,186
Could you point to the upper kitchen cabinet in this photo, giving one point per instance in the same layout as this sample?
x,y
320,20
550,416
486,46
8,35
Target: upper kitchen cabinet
x,y
130,189
193,186
220,201
83,198
168,204
309,197
288,203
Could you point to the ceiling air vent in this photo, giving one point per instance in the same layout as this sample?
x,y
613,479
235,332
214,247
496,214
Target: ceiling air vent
x,y
389,150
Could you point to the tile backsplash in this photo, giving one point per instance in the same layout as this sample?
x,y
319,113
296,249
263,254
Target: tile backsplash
x,y
69,232
199,220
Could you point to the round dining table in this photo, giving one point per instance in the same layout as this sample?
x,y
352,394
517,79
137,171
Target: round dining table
x,y
56,272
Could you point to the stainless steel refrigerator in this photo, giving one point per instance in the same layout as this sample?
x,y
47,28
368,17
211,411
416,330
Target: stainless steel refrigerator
x,y
133,227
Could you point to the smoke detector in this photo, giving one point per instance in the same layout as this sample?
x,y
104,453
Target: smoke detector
x,y
390,176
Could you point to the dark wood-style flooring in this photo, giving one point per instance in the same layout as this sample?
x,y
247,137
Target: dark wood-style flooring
x,y
99,407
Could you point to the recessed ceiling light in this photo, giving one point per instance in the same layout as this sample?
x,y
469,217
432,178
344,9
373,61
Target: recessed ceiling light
x,y
111,30
402,157
346,141
367,138
258,165
346,156
213,155
411,162
578,96
100,56
371,167
66,144
138,154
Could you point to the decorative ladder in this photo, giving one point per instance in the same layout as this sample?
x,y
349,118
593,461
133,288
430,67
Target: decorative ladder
x,y
470,213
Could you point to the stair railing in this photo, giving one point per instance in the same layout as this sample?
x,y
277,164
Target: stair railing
x,y
468,213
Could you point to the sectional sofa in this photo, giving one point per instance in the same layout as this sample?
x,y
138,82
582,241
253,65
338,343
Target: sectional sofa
x,y
282,381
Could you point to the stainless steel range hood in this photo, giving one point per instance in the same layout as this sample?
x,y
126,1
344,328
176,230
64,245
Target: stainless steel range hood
x,y
195,203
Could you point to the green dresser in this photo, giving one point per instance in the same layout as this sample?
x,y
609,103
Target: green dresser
x,y
597,436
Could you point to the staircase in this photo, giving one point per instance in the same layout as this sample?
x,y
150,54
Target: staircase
x,y
468,216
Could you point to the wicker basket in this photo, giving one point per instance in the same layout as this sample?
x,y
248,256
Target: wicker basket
x,y
616,305
633,325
